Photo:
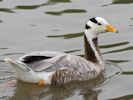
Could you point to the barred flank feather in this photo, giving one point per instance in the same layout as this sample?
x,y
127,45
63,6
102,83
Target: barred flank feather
x,y
66,75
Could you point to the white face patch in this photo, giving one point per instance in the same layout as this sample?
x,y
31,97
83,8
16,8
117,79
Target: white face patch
x,y
96,25
102,21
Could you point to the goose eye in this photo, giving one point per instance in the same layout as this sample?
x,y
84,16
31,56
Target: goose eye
x,y
99,24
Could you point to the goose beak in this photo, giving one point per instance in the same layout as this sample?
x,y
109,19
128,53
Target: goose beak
x,y
110,28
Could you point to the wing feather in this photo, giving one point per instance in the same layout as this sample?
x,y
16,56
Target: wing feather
x,y
44,53
57,60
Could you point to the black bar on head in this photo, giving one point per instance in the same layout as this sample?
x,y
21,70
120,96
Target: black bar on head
x,y
95,21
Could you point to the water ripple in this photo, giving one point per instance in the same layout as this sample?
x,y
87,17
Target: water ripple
x,y
122,1
127,73
57,13
71,51
12,54
27,7
3,48
118,61
126,97
66,36
118,2
111,67
114,45
1,21
58,1
6,10
50,2
120,50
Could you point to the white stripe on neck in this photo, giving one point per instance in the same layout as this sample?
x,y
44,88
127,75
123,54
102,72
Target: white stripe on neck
x,y
90,36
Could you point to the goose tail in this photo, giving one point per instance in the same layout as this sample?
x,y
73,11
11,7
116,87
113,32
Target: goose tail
x,y
17,65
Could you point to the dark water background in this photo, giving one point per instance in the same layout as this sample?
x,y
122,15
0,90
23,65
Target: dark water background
x,y
30,25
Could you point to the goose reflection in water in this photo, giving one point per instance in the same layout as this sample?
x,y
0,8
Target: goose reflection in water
x,y
83,90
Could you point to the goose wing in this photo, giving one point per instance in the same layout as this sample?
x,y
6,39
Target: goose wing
x,y
39,61
35,56
52,61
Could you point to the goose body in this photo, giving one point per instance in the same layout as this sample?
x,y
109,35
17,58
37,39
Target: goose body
x,y
50,67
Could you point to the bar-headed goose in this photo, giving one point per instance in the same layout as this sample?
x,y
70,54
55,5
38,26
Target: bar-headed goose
x,y
50,67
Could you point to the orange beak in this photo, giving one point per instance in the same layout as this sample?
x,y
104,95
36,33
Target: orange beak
x,y
110,28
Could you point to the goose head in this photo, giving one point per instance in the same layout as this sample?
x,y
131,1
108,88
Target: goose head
x,y
97,25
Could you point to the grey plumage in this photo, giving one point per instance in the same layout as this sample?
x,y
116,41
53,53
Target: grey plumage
x,y
66,67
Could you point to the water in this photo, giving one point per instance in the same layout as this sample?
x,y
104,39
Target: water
x,y
58,25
